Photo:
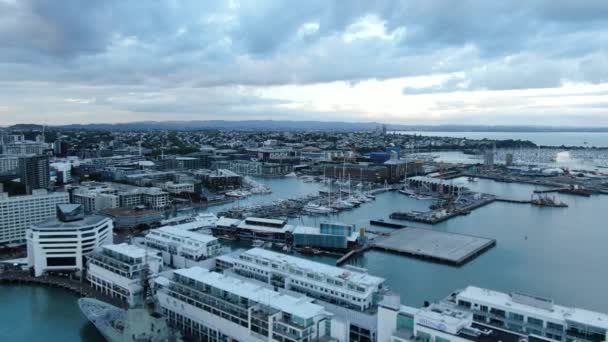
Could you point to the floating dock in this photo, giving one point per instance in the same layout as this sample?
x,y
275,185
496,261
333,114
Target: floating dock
x,y
448,248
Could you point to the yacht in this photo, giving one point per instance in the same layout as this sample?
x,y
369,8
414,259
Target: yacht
x,y
317,209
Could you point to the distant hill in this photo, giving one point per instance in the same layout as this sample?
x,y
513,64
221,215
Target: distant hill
x,y
271,125
286,125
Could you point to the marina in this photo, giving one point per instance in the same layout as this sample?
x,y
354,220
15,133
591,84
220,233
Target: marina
x,y
449,248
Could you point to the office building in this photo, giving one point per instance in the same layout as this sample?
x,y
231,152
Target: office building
x,y
34,172
18,213
532,315
62,243
181,247
209,306
343,287
24,147
119,270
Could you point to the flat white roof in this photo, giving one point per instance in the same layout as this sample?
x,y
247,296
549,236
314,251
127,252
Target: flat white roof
x,y
332,271
558,313
285,228
226,221
180,232
301,307
126,249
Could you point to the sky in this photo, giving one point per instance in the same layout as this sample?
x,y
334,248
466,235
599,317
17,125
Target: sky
x,y
480,62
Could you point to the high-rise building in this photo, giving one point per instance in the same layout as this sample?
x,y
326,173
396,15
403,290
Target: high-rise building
x,y
18,213
34,172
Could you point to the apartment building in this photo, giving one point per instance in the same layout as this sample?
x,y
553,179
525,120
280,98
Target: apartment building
x,y
209,306
120,270
18,213
180,247
534,316
343,287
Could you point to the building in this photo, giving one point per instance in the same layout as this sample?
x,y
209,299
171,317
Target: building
x,y
62,243
327,236
18,213
343,287
24,147
488,159
9,165
34,172
435,323
255,168
176,188
534,316
356,172
220,179
209,306
255,228
120,270
181,247
95,196
278,155
61,172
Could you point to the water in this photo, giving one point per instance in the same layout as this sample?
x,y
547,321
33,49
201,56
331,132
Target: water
x,y
539,138
551,252
33,313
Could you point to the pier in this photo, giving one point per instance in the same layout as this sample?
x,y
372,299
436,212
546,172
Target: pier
x,y
448,248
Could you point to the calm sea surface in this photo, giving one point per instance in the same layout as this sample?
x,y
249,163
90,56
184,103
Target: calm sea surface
x,y
539,138
557,253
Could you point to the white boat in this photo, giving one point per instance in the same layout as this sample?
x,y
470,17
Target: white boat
x,y
258,243
317,209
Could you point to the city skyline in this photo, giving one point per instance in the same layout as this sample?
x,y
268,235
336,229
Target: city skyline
x,y
392,62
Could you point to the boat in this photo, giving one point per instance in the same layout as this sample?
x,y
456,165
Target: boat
x,y
317,209
118,325
258,243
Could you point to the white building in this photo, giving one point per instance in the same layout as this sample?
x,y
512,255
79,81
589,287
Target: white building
x,y
209,306
117,270
176,188
533,316
18,213
9,165
436,323
180,247
95,196
60,244
343,287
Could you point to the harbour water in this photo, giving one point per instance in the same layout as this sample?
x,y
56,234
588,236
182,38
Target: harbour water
x,y
552,252
540,138
33,313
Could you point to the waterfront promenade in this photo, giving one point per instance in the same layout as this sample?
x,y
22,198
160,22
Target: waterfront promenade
x,y
81,288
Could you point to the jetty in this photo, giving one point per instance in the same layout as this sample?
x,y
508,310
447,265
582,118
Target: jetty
x,y
448,248
383,223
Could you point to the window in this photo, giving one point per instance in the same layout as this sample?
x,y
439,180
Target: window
x,y
535,321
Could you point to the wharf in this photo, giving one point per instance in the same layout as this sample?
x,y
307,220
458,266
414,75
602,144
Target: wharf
x,y
569,191
440,215
448,248
383,223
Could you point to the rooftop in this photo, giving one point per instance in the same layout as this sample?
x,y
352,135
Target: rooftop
x,y
332,271
55,223
177,231
556,312
126,249
301,307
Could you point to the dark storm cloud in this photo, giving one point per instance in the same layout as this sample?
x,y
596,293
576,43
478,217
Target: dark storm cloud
x,y
495,44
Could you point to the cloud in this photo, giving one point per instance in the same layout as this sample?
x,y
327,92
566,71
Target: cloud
x,y
219,48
